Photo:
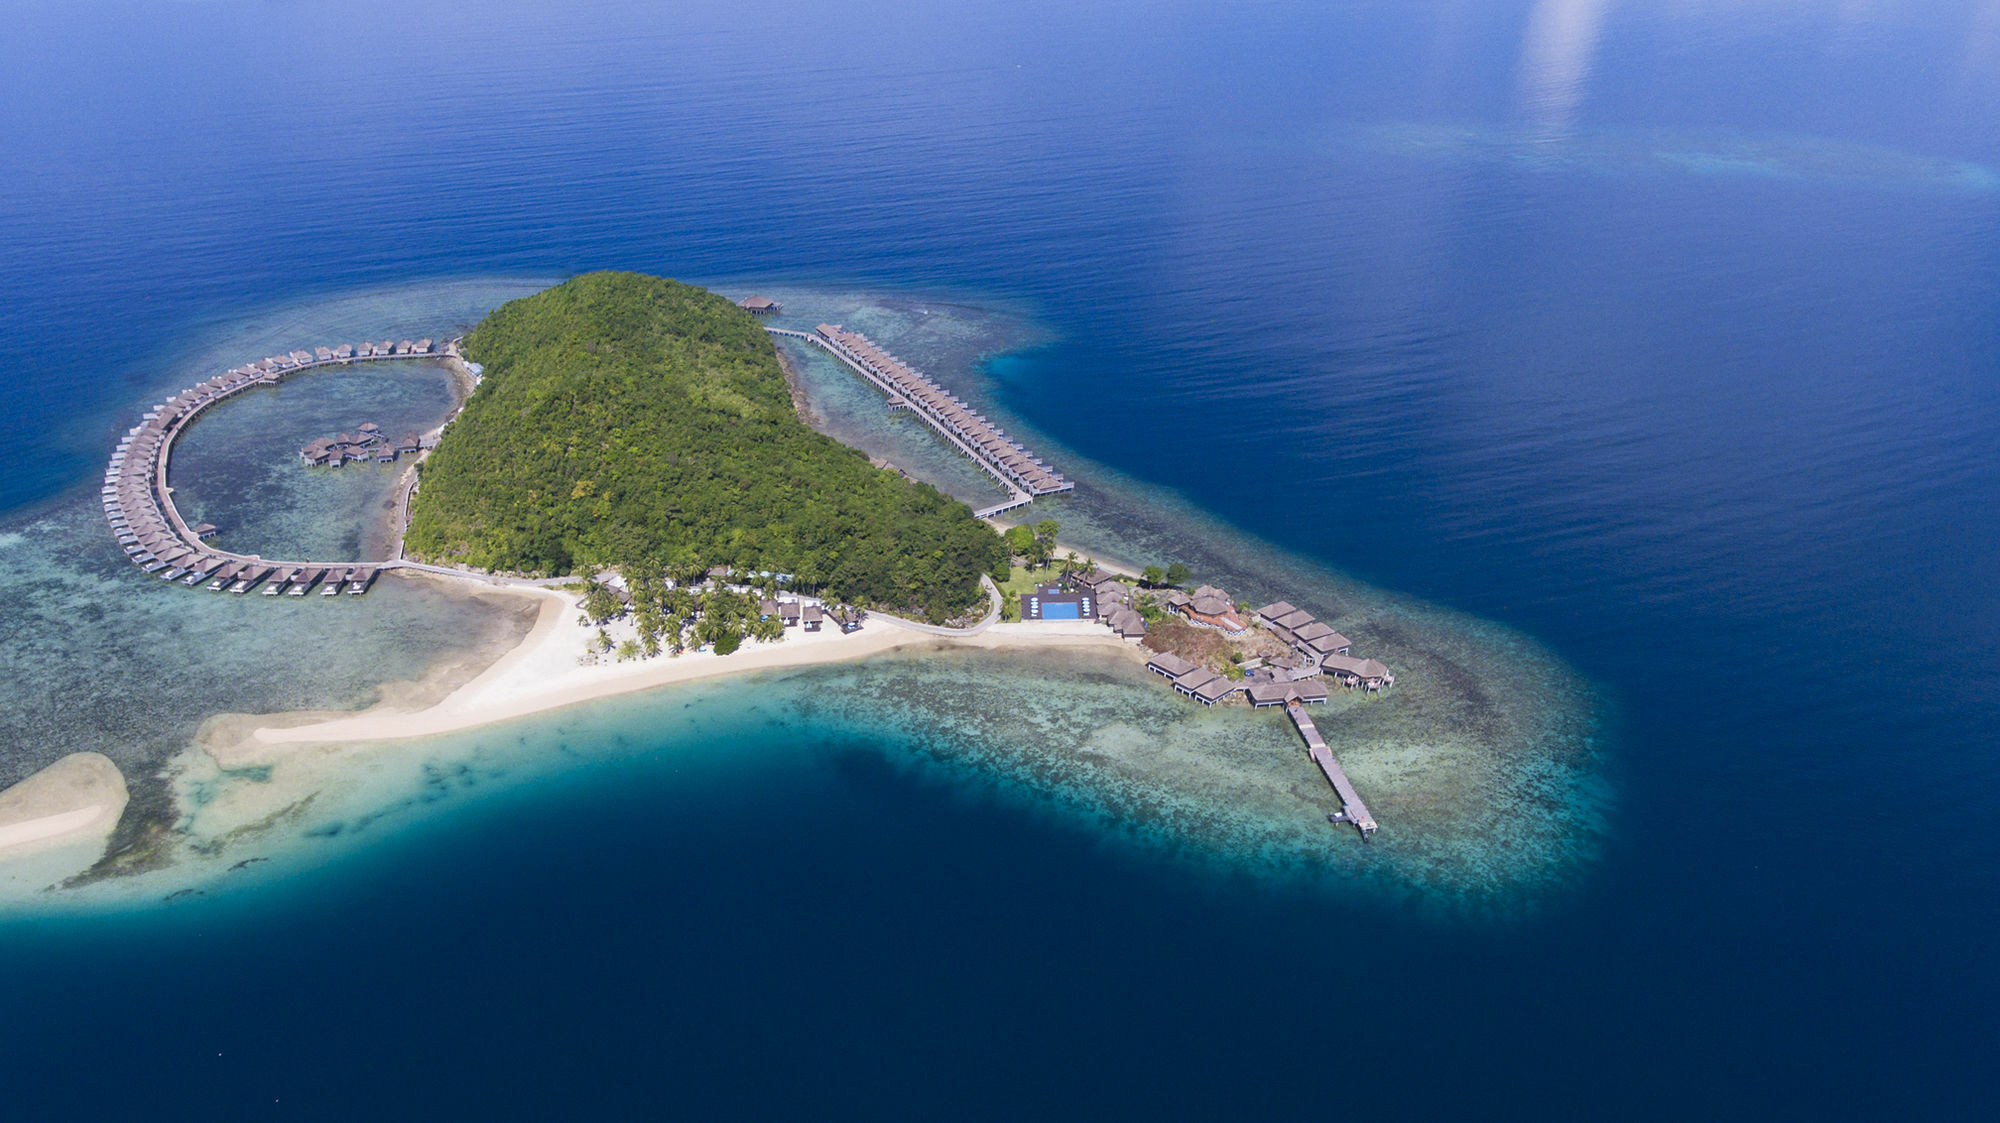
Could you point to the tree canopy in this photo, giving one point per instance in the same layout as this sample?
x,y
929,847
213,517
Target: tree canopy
x,y
636,423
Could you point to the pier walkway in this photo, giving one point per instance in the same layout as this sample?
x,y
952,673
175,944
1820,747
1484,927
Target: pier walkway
x,y
1023,475
1352,810
138,500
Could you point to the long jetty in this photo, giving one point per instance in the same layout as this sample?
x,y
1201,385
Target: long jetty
x,y
1023,475
1352,810
139,503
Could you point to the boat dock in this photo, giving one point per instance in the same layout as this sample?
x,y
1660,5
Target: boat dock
x,y
138,501
1352,810
1023,475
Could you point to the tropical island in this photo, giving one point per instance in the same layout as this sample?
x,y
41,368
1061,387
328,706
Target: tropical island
x,y
631,460
638,435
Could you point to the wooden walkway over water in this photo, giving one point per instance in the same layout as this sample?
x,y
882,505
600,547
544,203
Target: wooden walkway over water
x,y
1352,810
1023,475
139,505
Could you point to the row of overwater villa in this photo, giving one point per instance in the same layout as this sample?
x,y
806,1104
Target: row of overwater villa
x,y
139,506
1006,459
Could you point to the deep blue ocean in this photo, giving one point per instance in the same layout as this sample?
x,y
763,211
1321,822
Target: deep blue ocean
x,y
1668,334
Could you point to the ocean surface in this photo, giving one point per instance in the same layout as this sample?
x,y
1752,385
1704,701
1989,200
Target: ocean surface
x,y
1628,374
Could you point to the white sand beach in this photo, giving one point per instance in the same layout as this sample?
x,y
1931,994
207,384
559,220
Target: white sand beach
x,y
547,671
78,797
55,823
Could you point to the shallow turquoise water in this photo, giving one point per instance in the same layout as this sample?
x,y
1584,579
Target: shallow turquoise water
x,y
239,468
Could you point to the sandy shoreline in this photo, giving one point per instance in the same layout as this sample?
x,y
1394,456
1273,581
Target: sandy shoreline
x,y
544,672
56,823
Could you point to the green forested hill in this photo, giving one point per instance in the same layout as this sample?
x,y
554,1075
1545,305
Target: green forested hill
x,y
633,422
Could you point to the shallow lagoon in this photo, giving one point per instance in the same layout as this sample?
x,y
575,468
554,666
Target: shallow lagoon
x,y
239,467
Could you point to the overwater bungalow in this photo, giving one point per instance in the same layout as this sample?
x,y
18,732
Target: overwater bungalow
x,y
1193,679
316,451
1280,693
1215,690
249,577
1331,643
1205,686
1368,674
1171,665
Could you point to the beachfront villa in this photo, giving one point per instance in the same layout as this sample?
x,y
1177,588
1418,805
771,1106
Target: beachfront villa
x,y
1127,623
1211,607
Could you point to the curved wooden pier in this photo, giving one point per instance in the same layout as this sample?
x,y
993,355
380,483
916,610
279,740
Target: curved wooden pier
x,y
139,504
1004,458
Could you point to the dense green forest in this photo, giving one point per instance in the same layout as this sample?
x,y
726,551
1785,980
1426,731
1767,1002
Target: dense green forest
x,y
640,424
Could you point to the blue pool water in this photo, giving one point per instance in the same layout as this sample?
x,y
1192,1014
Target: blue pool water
x,y
1667,336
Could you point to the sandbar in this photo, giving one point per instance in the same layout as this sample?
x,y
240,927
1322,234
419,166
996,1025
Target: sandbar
x,y
56,823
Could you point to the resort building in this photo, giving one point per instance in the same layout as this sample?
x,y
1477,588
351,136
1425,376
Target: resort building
x,y
1212,607
1127,623
1367,674
1280,693
760,305
1205,686
1097,577
365,444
